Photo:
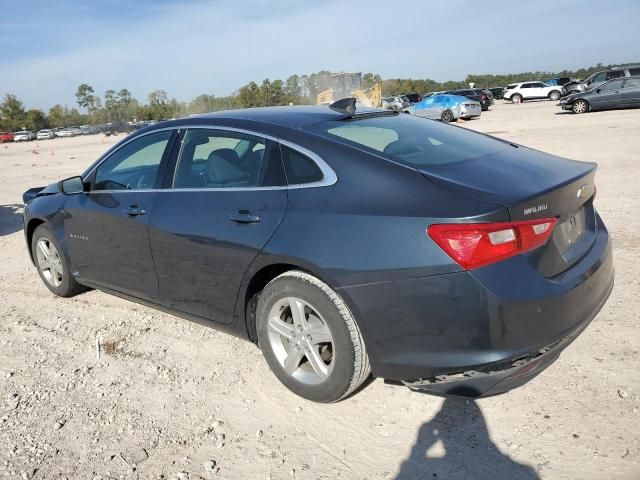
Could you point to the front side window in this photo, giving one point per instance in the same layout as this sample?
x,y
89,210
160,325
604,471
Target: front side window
x,y
614,85
600,77
134,166
222,159
615,74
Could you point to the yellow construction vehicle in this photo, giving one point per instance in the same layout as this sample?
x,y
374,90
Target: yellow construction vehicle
x,y
350,85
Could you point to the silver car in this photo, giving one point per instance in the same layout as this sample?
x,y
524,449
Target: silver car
x,y
446,108
394,103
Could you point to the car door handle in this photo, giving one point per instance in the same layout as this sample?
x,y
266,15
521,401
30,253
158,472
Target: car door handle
x,y
244,216
134,211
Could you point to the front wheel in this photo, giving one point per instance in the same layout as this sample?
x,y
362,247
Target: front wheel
x,y
580,106
447,116
554,96
52,265
309,338
516,98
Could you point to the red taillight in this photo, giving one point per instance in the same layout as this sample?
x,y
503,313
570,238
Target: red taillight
x,y
474,245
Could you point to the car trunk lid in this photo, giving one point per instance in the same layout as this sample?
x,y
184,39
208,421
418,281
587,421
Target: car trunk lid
x,y
531,185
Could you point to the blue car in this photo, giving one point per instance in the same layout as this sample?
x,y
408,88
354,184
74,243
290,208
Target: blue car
x,y
343,243
447,108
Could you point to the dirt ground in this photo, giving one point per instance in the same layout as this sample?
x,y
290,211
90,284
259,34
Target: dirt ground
x,y
172,399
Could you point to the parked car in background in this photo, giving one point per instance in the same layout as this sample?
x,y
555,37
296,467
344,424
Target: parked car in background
x,y
395,103
6,137
598,78
519,92
474,94
24,136
617,93
66,132
446,108
560,81
117,127
466,264
413,97
45,134
88,130
497,92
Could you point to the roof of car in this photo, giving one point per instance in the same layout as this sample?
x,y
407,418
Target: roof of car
x,y
625,68
291,116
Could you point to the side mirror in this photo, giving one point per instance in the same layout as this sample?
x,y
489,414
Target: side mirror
x,y
71,186
597,90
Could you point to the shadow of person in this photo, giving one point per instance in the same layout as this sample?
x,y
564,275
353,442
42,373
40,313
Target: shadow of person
x,y
10,219
455,444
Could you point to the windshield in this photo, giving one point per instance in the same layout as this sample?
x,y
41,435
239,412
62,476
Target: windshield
x,y
412,141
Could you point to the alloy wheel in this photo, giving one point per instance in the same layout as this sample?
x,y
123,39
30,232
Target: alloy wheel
x,y
49,262
301,340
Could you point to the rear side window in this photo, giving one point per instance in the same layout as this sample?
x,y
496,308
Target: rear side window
x,y
615,74
410,140
299,168
634,71
212,158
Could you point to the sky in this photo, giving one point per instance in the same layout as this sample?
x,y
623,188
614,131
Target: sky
x,y
190,47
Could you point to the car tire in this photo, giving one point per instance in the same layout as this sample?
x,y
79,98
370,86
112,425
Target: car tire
x,y
554,95
580,106
447,116
318,353
52,264
516,98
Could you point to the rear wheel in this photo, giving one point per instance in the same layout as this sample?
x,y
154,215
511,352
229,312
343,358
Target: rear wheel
x,y
447,116
309,338
554,95
52,265
516,98
580,106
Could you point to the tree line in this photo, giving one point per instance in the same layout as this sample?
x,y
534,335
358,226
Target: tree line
x,y
120,106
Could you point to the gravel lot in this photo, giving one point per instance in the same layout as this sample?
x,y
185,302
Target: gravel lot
x,y
172,399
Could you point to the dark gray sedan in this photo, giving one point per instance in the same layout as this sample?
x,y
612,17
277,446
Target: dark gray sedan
x,y
343,243
616,93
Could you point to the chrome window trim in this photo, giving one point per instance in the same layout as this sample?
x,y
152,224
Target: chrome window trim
x,y
329,177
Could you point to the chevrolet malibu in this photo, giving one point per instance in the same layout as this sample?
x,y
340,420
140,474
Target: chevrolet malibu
x,y
343,243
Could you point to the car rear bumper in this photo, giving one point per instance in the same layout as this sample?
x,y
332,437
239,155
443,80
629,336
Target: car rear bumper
x,y
443,332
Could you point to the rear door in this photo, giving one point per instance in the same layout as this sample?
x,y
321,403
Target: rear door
x,y
224,201
631,92
106,228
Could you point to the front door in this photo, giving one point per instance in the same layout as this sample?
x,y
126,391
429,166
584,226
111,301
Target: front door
x,y
226,200
106,228
607,95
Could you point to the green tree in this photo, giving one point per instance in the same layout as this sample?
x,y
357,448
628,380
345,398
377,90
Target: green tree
x,y
111,106
12,113
249,95
56,116
159,107
85,97
35,120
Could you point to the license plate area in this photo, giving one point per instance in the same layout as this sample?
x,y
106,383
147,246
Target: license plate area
x,y
570,230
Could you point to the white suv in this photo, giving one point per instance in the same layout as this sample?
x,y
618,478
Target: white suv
x,y
519,92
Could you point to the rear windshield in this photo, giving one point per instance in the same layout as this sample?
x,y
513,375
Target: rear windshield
x,y
412,141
